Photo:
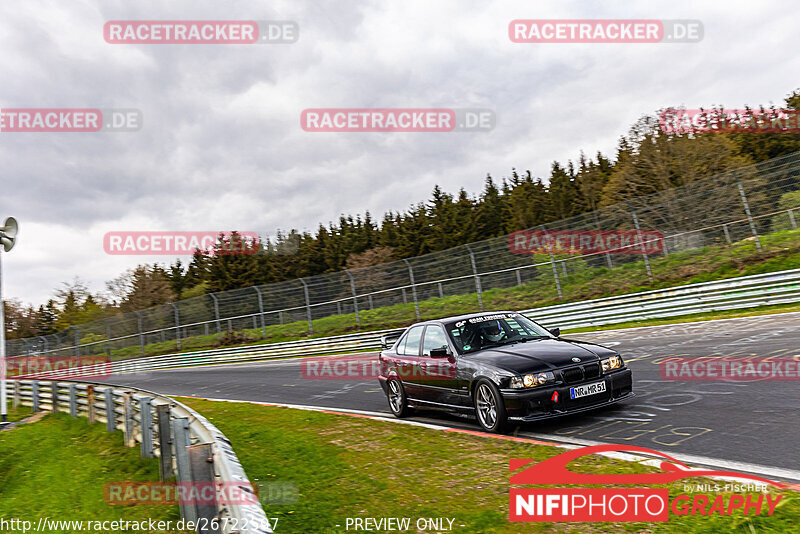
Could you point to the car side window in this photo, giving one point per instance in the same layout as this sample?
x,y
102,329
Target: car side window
x,y
435,338
413,337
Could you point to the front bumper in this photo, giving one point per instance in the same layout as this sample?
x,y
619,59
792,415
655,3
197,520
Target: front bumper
x,y
532,405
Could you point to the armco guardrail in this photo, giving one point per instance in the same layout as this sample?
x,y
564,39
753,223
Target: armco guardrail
x,y
734,293
188,445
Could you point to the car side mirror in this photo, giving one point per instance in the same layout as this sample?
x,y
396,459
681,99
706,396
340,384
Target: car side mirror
x,y
555,331
441,352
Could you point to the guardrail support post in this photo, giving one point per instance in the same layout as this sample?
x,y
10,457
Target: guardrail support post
x,y
355,298
35,395
164,442
413,287
641,242
180,428
111,414
54,396
749,216
201,463
146,417
127,412
478,289
16,395
90,407
73,401
308,305
792,220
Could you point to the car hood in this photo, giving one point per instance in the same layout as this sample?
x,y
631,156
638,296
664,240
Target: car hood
x,y
539,355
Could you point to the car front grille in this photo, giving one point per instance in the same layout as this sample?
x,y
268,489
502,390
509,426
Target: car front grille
x,y
591,370
577,374
572,375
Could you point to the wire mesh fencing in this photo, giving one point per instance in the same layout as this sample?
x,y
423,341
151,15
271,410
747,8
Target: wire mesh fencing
x,y
742,204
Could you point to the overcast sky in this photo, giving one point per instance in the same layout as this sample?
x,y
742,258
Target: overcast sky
x,y
222,148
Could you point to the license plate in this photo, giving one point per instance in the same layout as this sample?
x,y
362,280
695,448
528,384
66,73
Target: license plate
x,y
588,389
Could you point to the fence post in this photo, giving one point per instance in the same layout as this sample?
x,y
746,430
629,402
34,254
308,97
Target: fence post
x,y
108,337
146,418
727,233
201,464
216,311
413,287
54,396
749,216
792,220
177,325
77,341
35,395
355,297
141,334
553,265
477,277
641,242
111,414
180,429
441,293
164,442
261,312
90,407
308,305
73,400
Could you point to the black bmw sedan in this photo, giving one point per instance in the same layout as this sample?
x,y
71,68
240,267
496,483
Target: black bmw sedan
x,y
501,367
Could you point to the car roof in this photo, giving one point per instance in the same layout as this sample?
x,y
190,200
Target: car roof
x,y
462,317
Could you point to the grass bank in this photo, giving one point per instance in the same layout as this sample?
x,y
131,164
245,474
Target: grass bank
x,y
57,468
351,467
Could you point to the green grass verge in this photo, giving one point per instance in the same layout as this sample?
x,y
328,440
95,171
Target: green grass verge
x,y
352,467
57,468
780,251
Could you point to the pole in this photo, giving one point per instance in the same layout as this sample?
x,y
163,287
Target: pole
x,y
261,312
3,406
749,216
641,242
355,298
308,305
477,277
413,287
177,325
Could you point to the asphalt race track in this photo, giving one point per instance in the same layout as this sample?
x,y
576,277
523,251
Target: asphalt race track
x,y
757,422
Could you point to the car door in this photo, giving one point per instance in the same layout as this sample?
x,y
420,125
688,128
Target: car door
x,y
439,381
408,351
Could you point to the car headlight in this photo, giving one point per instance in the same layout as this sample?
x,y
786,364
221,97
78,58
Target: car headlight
x,y
614,362
532,380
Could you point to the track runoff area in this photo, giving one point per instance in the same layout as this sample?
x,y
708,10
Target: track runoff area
x,y
726,421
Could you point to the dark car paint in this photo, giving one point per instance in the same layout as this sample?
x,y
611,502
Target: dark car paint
x,y
447,383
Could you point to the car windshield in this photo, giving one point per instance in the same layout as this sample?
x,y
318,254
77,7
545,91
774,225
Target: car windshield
x,y
476,333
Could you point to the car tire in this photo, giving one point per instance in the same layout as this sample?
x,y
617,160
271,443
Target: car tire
x,y
490,409
398,402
